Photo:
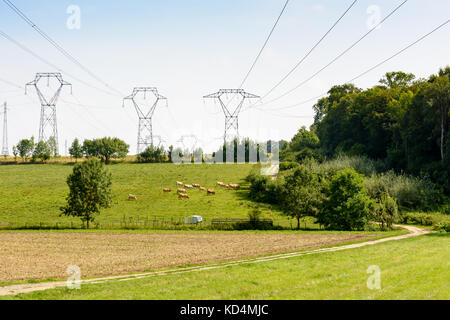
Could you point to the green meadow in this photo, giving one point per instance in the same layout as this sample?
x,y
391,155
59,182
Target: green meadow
x,y
31,195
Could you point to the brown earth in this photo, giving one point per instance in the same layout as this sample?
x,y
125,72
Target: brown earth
x,y
39,256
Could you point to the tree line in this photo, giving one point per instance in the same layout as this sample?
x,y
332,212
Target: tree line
x,y
402,121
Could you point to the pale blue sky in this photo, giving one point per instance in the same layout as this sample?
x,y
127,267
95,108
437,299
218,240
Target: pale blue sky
x,y
191,48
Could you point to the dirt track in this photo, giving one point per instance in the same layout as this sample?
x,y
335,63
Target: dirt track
x,y
25,288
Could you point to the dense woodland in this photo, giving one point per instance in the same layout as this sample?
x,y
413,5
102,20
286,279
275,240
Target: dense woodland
x,y
379,154
402,121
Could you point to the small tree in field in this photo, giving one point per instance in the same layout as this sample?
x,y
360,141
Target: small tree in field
x,y
41,151
76,150
301,195
90,190
386,211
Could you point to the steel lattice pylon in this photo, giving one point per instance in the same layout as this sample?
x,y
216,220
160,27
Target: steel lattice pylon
x,y
5,151
48,127
145,130
231,118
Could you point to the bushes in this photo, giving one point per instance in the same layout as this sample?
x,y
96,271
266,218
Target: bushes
x,y
347,206
424,219
443,226
264,189
288,165
410,192
360,164
386,211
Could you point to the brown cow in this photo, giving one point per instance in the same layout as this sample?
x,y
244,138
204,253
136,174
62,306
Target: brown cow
x,y
188,186
181,184
167,190
182,191
195,185
234,186
132,197
211,192
183,196
202,189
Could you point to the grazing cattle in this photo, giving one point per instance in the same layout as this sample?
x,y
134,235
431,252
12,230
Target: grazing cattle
x,y
188,186
182,191
234,186
221,184
167,190
202,189
183,196
180,183
132,197
211,192
195,185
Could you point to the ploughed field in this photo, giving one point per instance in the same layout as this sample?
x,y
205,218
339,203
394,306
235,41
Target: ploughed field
x,y
47,255
31,195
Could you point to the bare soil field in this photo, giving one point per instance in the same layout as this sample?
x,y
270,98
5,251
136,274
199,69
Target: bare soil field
x,y
39,256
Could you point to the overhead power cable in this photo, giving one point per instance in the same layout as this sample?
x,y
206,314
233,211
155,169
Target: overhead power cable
x,y
43,60
265,44
336,58
309,53
59,47
368,70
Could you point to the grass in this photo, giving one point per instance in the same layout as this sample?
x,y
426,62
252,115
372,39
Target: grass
x,y
416,268
32,194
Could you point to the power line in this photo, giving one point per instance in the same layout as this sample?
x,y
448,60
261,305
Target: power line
x,y
368,70
43,60
338,57
309,53
57,46
12,84
265,44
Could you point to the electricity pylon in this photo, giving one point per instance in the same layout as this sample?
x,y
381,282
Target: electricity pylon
x,y
5,151
145,114
48,127
231,117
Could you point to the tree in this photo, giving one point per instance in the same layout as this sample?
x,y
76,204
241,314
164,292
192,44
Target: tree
x,y
25,148
300,195
76,150
152,154
53,146
386,211
41,151
15,152
106,149
439,92
347,207
397,79
90,190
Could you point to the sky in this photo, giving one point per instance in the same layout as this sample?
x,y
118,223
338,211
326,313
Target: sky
x,y
192,48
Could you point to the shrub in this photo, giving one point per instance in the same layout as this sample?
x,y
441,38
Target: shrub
x,y
288,165
443,226
386,211
360,164
264,189
410,192
347,207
